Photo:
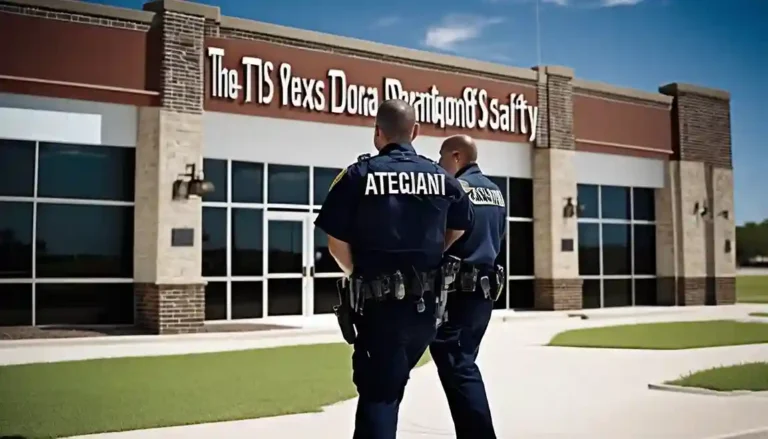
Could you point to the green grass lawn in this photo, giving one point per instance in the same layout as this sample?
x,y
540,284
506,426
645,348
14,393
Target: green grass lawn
x,y
759,314
81,397
673,335
748,376
752,289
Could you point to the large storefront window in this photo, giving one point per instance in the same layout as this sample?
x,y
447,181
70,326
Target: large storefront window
x,y
617,245
66,233
264,259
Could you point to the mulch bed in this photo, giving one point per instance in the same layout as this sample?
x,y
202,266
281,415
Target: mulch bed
x,y
43,332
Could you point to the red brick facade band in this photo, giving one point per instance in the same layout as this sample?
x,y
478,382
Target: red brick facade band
x,y
157,58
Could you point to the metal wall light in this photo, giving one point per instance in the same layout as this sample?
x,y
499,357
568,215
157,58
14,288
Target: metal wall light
x,y
724,213
700,209
190,184
569,210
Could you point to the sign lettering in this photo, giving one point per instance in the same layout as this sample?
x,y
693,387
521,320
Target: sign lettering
x,y
474,109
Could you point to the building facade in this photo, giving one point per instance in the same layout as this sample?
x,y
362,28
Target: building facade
x,y
615,197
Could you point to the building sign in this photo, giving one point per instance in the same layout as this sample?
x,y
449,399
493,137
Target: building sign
x,y
265,83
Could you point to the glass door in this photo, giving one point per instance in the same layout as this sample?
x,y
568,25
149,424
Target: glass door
x,y
288,264
324,273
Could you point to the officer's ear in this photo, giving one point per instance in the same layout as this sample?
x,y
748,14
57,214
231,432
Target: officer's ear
x,y
415,132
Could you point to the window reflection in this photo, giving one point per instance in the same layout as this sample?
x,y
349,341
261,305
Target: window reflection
x,y
591,294
17,168
15,240
645,249
617,292
214,241
247,182
86,172
644,205
15,304
84,241
589,249
84,304
323,177
521,294
614,202
617,257
285,297
216,301
247,302
520,198
247,239
286,249
288,184
588,201
215,171
645,292
520,235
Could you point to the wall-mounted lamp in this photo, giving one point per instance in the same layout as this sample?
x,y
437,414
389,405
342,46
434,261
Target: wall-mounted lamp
x,y
728,246
569,210
190,184
700,209
724,213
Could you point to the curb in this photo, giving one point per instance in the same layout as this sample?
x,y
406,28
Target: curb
x,y
702,391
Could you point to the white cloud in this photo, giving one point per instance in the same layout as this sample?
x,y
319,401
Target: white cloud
x,y
457,29
387,21
611,3
580,3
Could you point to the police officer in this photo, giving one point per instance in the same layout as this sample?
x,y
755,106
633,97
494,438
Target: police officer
x,y
387,218
477,285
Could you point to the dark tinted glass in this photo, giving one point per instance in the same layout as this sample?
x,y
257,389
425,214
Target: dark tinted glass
x,y
617,252
645,249
322,183
285,297
84,241
288,184
591,294
247,300
614,202
17,168
645,292
520,235
520,197
644,204
588,201
501,182
285,246
247,239
84,304
589,249
521,294
326,295
15,304
214,241
216,301
617,292
86,171
247,182
215,171
324,262
15,240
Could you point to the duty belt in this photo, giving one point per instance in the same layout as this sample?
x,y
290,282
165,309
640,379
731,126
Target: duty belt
x,y
471,277
394,286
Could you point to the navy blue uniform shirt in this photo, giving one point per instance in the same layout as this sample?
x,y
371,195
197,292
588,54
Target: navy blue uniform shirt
x,y
481,244
393,209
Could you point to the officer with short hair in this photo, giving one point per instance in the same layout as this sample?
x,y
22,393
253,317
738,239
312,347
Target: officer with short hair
x,y
388,218
478,284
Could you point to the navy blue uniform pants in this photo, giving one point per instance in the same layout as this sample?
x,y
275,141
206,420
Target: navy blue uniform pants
x,y
454,352
391,338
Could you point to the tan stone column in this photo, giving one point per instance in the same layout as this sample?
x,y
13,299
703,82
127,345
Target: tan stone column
x,y
169,289
695,209
557,285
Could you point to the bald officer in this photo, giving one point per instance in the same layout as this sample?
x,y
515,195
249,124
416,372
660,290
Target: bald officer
x,y
477,286
388,218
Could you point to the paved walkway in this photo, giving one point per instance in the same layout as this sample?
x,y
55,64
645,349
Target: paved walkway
x,y
535,391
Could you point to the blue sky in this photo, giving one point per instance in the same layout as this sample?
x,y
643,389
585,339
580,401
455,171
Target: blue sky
x,y
634,43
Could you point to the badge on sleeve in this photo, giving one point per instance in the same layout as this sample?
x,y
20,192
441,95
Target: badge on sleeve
x,y
338,177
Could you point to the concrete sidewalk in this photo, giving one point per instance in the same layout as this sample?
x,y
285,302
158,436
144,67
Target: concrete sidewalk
x,y
535,391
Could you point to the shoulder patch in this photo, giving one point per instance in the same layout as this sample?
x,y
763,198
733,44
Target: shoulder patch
x,y
338,177
363,157
465,185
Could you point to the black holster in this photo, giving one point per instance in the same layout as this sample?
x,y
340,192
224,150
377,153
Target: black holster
x,y
345,311
448,271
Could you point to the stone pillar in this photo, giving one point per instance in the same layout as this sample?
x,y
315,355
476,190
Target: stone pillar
x,y
701,177
169,289
557,285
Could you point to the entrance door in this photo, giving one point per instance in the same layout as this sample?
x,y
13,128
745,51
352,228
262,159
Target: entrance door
x,y
289,264
325,272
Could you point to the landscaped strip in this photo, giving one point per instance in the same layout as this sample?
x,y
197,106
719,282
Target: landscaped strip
x,y
759,314
668,335
748,376
94,396
752,289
